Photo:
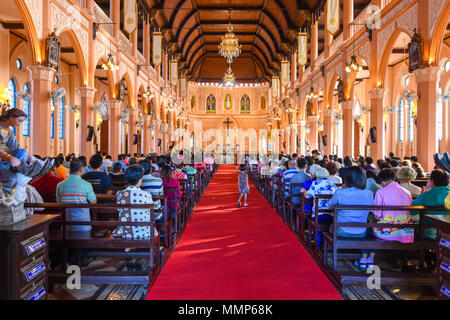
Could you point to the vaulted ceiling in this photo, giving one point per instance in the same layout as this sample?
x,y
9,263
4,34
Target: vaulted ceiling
x,y
266,29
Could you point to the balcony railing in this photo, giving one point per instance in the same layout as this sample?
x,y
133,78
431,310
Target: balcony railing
x,y
102,17
125,42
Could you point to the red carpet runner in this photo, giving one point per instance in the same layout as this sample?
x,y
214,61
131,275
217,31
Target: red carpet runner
x,y
231,253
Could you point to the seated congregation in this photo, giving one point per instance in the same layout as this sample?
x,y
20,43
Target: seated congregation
x,y
109,209
352,215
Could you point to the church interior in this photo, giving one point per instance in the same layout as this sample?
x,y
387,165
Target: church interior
x,y
307,139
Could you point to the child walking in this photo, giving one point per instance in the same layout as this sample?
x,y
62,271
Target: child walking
x,y
244,189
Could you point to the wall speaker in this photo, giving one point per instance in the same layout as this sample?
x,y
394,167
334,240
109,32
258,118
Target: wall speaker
x,y
324,140
284,145
90,133
159,142
135,139
373,136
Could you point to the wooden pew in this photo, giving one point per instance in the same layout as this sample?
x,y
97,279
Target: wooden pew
x,y
313,223
420,244
105,245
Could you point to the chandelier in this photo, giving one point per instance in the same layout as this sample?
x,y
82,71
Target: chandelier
x,y
110,64
269,123
311,94
353,66
290,109
149,93
229,80
277,118
229,48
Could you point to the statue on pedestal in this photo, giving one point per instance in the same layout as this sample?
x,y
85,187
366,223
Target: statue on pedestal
x,y
17,168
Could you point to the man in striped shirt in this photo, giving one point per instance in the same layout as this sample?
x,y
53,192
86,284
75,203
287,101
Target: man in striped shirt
x,y
288,174
152,185
76,190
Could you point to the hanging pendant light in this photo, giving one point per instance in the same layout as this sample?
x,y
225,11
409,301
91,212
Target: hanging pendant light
x,y
353,66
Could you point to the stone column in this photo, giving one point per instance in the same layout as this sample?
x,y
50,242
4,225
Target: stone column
x,y
87,118
147,143
327,130
41,85
115,16
132,130
377,96
348,131
427,143
347,18
313,133
314,43
114,128
301,133
147,42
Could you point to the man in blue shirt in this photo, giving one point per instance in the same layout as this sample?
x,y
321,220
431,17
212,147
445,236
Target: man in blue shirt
x,y
288,174
299,177
97,177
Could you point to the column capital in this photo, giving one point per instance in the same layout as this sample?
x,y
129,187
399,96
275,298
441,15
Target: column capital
x,y
302,122
428,74
378,93
348,104
133,111
327,112
313,118
41,73
86,92
115,104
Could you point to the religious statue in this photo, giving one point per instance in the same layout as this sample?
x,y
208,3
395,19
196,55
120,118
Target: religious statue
x,y
415,50
17,167
228,102
340,89
53,51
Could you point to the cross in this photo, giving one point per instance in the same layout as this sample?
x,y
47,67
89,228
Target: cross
x,y
228,122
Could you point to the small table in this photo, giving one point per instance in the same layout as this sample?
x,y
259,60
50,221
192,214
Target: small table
x,y
24,258
443,254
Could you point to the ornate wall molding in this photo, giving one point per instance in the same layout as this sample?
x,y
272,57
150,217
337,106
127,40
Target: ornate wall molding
x,y
407,21
35,8
435,7
41,73
62,21
428,74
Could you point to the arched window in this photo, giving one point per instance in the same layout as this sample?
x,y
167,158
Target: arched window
x,y
263,102
12,88
52,119
439,115
401,122
12,93
193,103
245,104
61,119
27,110
211,104
410,121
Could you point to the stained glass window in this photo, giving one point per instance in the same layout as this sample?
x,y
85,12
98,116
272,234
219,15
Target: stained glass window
x,y
211,104
27,110
245,104
401,122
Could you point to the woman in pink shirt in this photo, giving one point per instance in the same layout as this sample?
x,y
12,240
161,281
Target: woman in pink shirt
x,y
170,182
393,194
201,166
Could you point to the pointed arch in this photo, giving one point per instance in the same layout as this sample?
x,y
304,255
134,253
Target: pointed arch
x,y
31,31
78,52
438,35
387,53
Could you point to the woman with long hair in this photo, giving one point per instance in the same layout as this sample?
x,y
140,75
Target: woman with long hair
x,y
17,167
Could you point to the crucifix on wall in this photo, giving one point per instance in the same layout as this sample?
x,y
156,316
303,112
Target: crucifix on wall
x,y
228,122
